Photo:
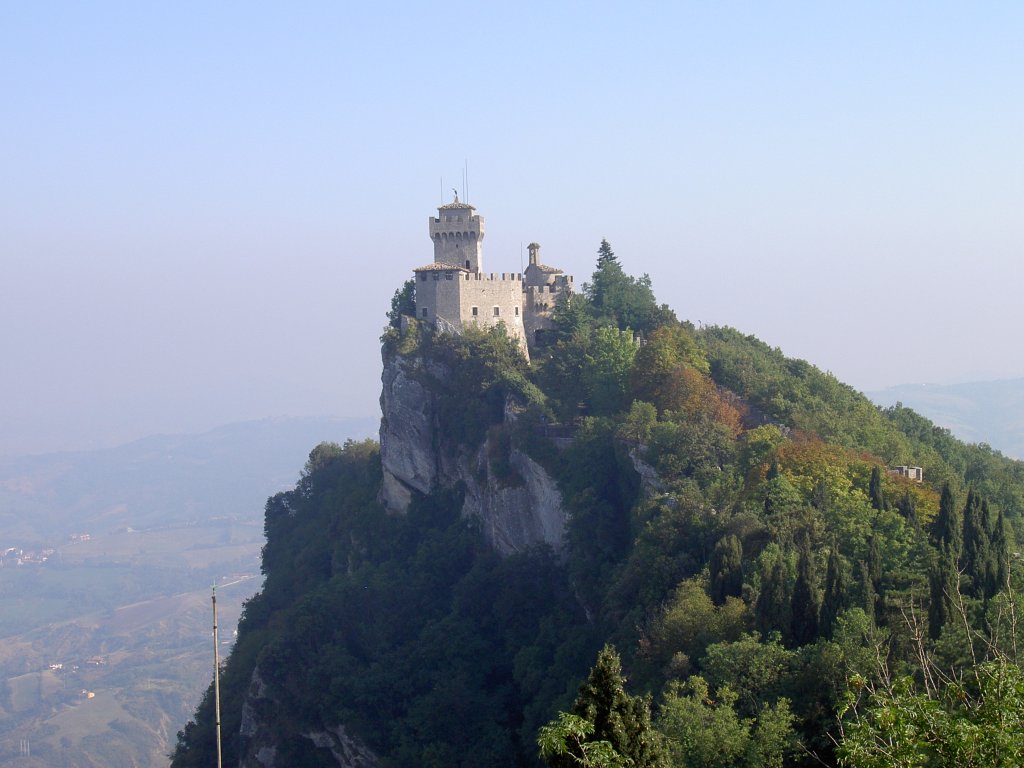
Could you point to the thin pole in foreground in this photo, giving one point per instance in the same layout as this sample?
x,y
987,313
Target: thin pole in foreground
x,y
216,675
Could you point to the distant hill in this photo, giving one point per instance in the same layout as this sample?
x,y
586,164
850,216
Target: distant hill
x,y
161,480
123,612
980,412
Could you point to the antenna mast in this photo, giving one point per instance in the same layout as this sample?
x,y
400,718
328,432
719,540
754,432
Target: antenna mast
x,y
216,675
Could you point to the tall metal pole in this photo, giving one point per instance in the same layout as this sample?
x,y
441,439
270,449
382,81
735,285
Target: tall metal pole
x,y
216,675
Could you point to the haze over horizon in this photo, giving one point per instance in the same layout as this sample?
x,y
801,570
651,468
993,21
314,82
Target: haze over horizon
x,y
206,209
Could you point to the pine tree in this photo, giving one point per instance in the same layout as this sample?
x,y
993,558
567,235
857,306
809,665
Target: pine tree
x,y
623,300
805,604
948,527
875,489
836,598
620,720
726,569
608,277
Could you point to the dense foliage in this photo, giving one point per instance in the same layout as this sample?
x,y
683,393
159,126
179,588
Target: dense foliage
x,y
733,530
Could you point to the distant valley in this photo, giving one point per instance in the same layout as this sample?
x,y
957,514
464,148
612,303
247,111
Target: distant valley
x,y
989,412
106,562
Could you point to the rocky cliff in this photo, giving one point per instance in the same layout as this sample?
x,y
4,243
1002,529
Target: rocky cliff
x,y
518,505
260,740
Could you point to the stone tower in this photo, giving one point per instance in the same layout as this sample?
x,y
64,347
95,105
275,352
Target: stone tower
x,y
458,233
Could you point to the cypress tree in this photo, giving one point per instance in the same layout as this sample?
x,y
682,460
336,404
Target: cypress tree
x,y
1001,553
875,489
726,569
772,609
622,720
907,507
943,581
977,544
996,539
948,527
865,594
875,575
836,598
805,604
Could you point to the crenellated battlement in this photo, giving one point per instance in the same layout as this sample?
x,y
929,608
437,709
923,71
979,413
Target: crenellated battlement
x,y
454,292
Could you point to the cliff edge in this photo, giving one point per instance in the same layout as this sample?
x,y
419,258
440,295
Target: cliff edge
x,y
515,500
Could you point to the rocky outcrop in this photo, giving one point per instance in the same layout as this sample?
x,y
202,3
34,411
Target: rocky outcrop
x,y
517,508
261,732
650,482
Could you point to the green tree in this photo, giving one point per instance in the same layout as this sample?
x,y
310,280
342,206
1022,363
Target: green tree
x,y
975,722
705,731
875,493
805,602
607,366
977,552
836,598
569,738
907,507
944,584
772,611
621,299
726,569
948,527
402,303
668,369
875,570
1001,550
621,721
865,596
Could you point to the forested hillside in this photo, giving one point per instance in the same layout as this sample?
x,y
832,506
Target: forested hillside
x,y
736,544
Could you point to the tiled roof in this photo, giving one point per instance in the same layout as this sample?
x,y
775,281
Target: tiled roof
x,y
550,270
456,204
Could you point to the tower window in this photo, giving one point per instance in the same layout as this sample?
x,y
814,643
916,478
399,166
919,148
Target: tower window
x,y
447,275
517,311
423,312
497,311
467,263
423,277
476,311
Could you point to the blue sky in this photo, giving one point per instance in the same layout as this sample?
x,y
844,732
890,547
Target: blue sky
x,y
205,208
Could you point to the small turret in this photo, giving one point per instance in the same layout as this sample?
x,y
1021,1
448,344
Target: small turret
x,y
534,250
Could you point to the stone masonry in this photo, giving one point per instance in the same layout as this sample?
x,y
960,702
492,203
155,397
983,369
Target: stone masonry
x,y
453,291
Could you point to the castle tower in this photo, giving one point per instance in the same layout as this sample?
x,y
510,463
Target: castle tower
x,y
458,232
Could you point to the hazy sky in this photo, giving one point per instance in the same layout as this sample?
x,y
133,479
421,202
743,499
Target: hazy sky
x,y
205,207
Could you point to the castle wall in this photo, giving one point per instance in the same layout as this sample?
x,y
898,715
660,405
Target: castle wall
x,y
539,303
495,298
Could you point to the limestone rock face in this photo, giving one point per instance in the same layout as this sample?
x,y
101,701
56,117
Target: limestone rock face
x,y
260,731
520,509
